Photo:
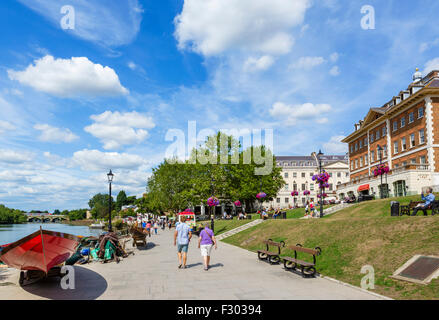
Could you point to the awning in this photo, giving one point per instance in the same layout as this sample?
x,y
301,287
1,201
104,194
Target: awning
x,y
363,188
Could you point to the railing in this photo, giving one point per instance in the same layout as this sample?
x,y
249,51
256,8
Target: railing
x,y
402,169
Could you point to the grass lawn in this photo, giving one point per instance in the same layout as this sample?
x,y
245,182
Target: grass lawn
x,y
222,226
364,234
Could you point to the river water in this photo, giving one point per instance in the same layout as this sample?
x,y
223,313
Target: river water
x,y
13,232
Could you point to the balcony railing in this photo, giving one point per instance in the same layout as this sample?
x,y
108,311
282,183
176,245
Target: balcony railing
x,y
402,169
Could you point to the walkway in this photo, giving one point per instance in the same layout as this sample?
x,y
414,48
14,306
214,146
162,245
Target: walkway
x,y
153,274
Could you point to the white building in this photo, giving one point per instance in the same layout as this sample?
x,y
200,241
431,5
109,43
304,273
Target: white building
x,y
297,171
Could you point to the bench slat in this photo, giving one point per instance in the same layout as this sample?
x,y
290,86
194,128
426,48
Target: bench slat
x,y
268,253
305,250
272,243
303,263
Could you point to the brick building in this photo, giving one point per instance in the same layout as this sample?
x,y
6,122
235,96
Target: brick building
x,y
404,134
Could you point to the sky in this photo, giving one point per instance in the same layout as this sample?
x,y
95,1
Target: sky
x,y
92,85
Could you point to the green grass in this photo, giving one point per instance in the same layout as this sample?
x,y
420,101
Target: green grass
x,y
364,234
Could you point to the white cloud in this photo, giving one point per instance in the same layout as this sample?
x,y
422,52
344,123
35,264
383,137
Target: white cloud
x,y
431,65
335,71
308,62
15,157
334,57
213,27
290,114
132,65
73,77
108,23
118,129
6,126
96,160
258,64
335,146
53,134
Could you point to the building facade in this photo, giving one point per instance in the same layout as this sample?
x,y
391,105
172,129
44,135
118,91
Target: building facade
x,y
297,171
403,135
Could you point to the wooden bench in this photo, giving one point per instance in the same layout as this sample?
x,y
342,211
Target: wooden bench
x,y
270,256
434,207
307,268
409,208
139,237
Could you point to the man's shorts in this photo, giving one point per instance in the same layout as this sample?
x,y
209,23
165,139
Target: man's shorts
x,y
182,247
206,249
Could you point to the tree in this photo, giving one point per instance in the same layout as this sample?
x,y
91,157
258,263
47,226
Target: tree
x,y
56,212
99,205
121,200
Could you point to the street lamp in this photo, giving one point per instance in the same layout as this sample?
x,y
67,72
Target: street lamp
x,y
110,176
380,151
318,157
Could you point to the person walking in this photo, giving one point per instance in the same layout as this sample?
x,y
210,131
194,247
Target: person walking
x,y
206,240
156,226
182,237
148,227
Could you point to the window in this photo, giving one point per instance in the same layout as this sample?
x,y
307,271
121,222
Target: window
x,y
384,131
395,125
311,174
420,113
352,148
361,144
402,122
371,138
330,187
303,187
356,163
413,161
421,136
347,174
361,162
278,200
365,160
287,187
385,152
372,156
311,187
294,174
295,187
403,144
352,165
356,146
303,174
377,134
339,173
286,173
423,160
412,140
411,117
365,142
395,147
286,200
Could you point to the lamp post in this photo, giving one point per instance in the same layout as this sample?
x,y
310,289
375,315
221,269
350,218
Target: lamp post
x,y
110,176
380,151
212,216
318,157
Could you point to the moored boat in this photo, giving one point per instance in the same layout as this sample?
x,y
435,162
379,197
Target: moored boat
x,y
99,225
40,251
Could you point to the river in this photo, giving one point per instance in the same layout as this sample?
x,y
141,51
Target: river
x,y
13,232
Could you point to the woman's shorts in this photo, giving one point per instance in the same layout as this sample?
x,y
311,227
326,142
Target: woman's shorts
x,y
206,249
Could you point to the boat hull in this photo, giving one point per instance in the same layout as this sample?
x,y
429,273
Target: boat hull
x,y
41,250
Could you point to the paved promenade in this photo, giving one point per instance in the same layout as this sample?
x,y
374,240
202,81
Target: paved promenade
x,y
153,274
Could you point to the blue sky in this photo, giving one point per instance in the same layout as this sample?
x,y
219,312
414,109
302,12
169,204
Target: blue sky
x,y
75,102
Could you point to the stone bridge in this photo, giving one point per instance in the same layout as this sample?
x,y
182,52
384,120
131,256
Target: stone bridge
x,y
47,218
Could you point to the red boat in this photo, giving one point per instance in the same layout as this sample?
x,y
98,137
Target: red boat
x,y
40,251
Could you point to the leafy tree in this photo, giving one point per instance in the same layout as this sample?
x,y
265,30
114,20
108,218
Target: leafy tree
x,y
121,200
99,205
11,216
56,212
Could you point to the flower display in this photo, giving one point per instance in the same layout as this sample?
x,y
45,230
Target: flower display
x,y
261,195
295,193
237,203
381,170
306,193
322,179
212,202
320,195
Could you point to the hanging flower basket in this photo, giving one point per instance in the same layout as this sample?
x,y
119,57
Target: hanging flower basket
x,y
237,203
212,202
381,170
306,193
261,195
295,193
322,179
324,195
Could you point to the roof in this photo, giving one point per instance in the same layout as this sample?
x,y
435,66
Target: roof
x,y
310,160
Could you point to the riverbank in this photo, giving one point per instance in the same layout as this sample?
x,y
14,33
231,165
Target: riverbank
x,y
79,222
